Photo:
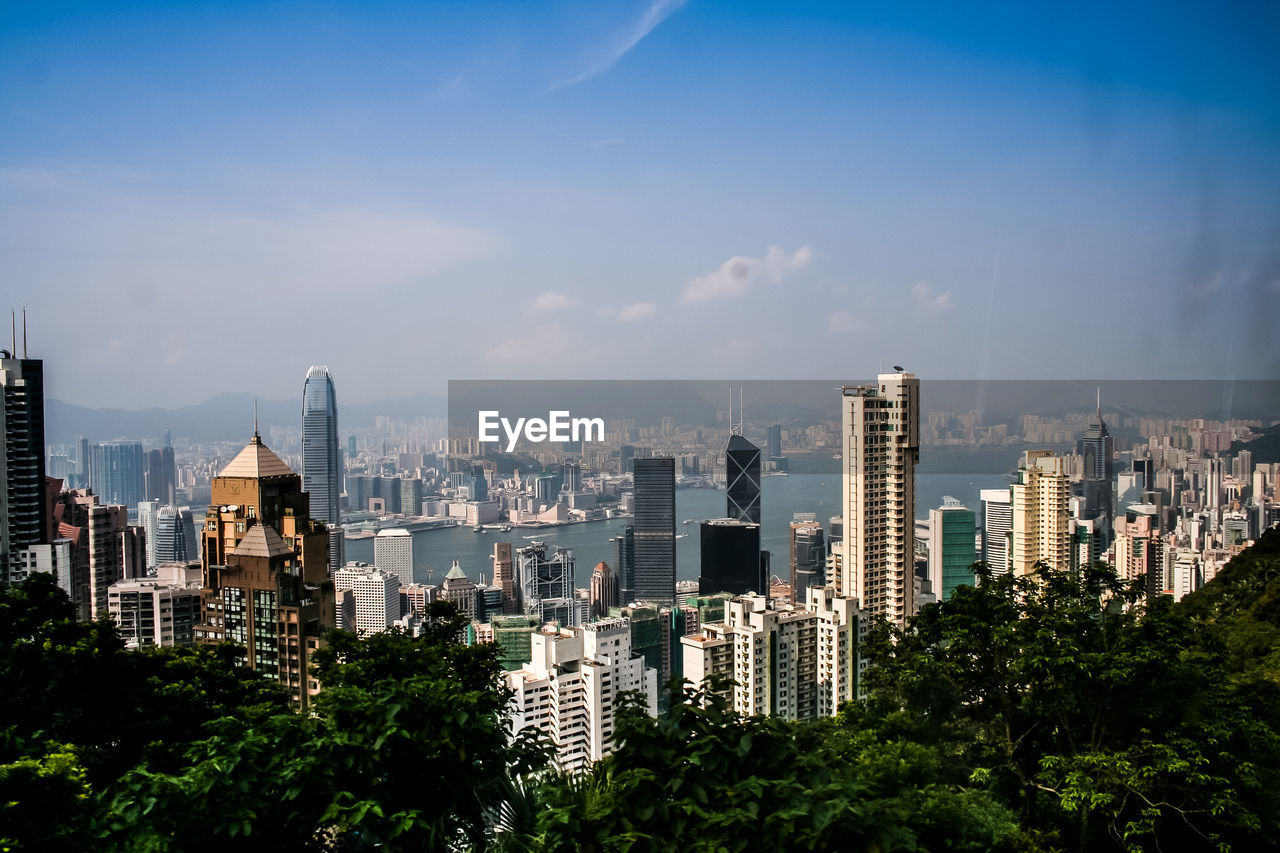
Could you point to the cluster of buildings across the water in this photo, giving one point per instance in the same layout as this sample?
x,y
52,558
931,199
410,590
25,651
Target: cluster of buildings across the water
x,y
264,567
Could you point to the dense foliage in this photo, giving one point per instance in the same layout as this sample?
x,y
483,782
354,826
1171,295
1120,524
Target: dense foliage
x,y
1036,713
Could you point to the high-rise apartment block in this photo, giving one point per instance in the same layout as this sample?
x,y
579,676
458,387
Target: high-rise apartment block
x,y
880,425
377,601
1041,531
793,662
266,570
158,611
997,529
569,688
655,529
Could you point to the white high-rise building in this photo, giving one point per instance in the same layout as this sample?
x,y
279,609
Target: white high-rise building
x,y
796,663
569,688
148,511
1041,531
393,553
997,528
377,601
880,425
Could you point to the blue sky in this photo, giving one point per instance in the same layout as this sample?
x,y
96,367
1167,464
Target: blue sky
x,y
197,198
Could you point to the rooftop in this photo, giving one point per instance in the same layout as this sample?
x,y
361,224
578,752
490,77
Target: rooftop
x,y
262,541
257,461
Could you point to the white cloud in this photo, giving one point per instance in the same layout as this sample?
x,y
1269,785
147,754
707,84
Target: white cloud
x,y
736,275
637,311
552,301
657,12
928,296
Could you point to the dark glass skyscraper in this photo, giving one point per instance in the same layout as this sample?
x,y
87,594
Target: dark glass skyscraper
x,y
22,519
655,529
731,558
161,476
742,472
627,565
321,455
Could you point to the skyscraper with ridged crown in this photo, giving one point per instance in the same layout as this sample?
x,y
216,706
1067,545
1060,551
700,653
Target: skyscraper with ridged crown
x,y
266,570
322,455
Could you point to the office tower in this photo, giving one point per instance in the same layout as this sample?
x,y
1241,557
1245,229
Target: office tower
x,y
158,611
568,688
774,442
266,570
322,456
546,583
411,495
742,472
147,512
175,532
952,533
604,592
797,663
377,601
808,556
82,463
655,529
1040,531
116,472
880,425
1097,450
730,550
22,490
393,553
627,565
997,529
504,577
573,476
160,478
459,589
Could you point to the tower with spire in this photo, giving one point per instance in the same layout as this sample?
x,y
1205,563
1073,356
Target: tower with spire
x,y
267,586
1097,449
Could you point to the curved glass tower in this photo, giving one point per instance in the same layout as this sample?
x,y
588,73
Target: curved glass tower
x,y
321,455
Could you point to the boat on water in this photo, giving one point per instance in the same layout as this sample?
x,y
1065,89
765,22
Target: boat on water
x,y
477,528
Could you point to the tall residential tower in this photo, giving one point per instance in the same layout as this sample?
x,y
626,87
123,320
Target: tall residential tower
x,y
880,425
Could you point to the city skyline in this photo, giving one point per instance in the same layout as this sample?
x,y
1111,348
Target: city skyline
x,y
850,178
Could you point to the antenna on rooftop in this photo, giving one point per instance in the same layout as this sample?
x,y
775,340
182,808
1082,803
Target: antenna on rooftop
x,y
255,418
24,332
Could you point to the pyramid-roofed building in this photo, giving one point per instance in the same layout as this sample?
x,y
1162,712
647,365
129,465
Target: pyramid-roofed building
x,y
257,461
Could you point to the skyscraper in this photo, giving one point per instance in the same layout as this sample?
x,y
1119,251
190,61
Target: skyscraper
x,y
393,553
22,516
117,472
808,557
266,570
627,565
504,577
881,431
175,535
603,593
742,473
1040,501
1097,448
655,529
997,529
322,456
161,476
546,583
730,558
952,533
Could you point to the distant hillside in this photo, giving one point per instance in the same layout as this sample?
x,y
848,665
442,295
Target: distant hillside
x,y
225,416
1265,448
